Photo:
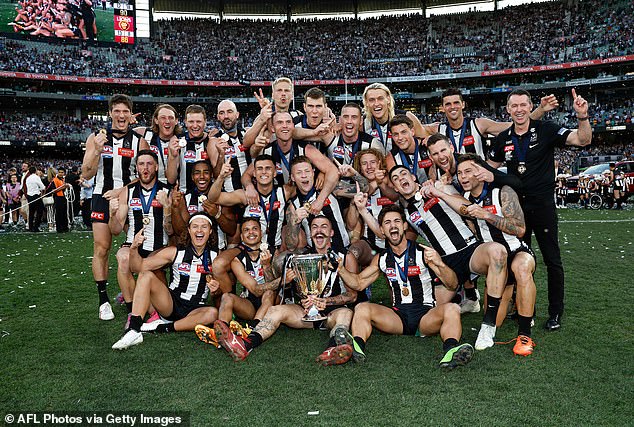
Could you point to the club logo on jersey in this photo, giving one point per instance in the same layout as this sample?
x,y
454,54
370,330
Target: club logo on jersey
x,y
430,203
135,204
189,156
184,268
416,218
424,163
383,201
107,152
413,270
201,269
390,273
468,140
276,205
126,152
491,208
97,215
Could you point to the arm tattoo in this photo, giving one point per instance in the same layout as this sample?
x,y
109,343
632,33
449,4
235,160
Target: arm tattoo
x,y
349,189
292,231
269,285
269,274
339,299
513,220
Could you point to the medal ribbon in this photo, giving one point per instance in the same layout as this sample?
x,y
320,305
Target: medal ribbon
x,y
304,199
206,259
283,156
159,145
521,147
462,135
147,205
402,273
272,200
485,191
377,126
413,168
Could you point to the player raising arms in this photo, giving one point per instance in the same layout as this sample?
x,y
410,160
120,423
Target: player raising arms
x,y
413,272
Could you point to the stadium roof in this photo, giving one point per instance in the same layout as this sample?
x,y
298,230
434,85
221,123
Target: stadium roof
x,y
298,7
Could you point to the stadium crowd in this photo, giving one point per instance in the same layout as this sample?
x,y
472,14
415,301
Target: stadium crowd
x,y
337,48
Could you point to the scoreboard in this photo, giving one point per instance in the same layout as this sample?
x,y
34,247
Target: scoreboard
x,y
124,30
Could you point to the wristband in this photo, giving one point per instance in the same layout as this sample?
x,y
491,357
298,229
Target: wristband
x,y
217,216
582,118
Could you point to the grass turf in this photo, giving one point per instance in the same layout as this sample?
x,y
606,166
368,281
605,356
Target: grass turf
x,y
57,356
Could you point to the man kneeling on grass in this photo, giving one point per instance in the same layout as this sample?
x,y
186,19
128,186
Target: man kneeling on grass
x,y
331,304
181,304
412,270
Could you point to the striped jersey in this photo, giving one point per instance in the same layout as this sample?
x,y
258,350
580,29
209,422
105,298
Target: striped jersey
x,y
283,159
418,162
194,204
333,211
188,276
160,147
270,211
155,235
238,156
344,152
191,153
117,163
467,139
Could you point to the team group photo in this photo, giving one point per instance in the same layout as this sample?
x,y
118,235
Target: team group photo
x,y
425,220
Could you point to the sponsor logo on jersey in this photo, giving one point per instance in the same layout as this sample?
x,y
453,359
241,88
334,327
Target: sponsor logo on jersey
x,y
201,269
126,152
468,140
509,148
491,208
430,203
156,204
242,148
424,163
413,270
374,133
276,205
184,268
416,217
203,155
383,201
135,204
97,215
107,152
189,156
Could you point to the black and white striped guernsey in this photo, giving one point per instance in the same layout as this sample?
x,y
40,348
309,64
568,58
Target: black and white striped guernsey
x,y
188,276
155,235
418,162
191,153
161,149
283,160
194,205
254,269
376,202
381,131
344,152
467,139
489,199
440,225
117,163
238,156
270,212
411,285
331,210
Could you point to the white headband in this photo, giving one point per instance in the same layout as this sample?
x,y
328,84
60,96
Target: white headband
x,y
205,217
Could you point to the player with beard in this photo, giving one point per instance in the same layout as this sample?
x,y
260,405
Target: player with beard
x,y
379,109
110,158
407,150
413,272
164,131
303,205
258,293
371,164
430,213
466,133
269,211
333,304
196,201
498,217
283,151
181,301
147,208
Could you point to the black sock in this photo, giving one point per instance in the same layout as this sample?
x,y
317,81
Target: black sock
x,y
524,325
103,292
165,328
128,305
360,342
136,322
470,293
253,340
491,313
331,342
253,323
449,343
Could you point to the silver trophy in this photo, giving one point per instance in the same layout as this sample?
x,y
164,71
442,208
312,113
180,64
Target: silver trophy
x,y
310,271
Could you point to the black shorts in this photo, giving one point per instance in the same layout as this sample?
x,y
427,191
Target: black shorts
x,y
181,308
459,262
100,209
510,280
410,315
256,301
143,252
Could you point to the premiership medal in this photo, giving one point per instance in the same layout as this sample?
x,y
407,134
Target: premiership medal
x,y
182,143
146,219
202,198
521,168
102,131
307,206
405,291
418,197
264,246
225,137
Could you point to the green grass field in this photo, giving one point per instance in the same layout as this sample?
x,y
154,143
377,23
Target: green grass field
x,y
56,355
105,20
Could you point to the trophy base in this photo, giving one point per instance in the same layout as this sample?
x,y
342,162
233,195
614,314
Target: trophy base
x,y
315,318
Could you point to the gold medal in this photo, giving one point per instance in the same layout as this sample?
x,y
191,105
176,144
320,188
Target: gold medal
x,y
202,198
146,220
307,206
405,291
102,131
521,169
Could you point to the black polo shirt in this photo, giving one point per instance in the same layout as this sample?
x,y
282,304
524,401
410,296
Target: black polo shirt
x,y
538,180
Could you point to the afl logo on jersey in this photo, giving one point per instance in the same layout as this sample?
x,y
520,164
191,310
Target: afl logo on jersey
x,y
416,217
189,156
339,152
192,209
107,152
278,168
230,152
374,133
253,211
154,149
390,273
184,268
135,204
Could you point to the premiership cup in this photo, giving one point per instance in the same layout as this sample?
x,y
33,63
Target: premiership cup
x,y
310,271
